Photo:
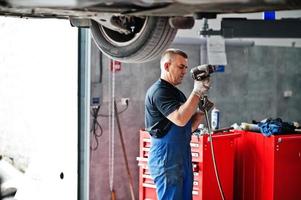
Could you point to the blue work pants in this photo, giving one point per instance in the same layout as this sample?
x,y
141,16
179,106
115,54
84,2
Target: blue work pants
x,y
170,164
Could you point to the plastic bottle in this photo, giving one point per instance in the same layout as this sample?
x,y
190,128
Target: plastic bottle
x,y
249,127
215,115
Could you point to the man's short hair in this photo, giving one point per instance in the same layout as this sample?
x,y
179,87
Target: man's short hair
x,y
169,53
174,52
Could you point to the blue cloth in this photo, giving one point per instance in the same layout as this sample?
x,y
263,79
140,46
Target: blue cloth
x,y
275,126
170,164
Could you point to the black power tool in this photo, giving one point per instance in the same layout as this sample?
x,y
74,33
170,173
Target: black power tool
x,y
202,72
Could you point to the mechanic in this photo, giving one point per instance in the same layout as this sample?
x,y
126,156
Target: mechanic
x,y
170,119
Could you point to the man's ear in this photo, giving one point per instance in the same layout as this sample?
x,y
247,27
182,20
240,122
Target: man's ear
x,y
166,66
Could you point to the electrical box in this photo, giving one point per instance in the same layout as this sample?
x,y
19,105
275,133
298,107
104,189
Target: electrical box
x,y
205,184
96,94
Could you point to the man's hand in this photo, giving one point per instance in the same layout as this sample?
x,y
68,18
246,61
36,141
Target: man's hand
x,y
205,104
201,87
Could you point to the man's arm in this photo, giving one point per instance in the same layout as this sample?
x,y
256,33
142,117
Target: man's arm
x,y
197,118
183,114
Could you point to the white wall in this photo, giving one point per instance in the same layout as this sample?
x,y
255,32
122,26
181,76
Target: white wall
x,y
38,104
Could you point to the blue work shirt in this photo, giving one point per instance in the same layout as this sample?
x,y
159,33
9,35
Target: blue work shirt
x,y
162,98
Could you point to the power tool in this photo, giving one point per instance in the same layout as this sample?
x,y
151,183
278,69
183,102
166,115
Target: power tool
x,y
202,72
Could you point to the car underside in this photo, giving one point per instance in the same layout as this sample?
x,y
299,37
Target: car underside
x,y
137,30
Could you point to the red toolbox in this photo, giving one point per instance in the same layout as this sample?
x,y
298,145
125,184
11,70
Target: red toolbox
x,y
268,168
205,184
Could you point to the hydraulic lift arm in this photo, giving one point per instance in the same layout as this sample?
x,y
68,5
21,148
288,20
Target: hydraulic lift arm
x,y
256,28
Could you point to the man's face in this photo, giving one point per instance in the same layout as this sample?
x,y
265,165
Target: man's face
x,y
177,69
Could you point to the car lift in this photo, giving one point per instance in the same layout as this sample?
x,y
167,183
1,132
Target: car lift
x,y
256,28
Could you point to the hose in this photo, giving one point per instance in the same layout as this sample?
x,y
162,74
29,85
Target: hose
x,y
112,134
124,152
213,156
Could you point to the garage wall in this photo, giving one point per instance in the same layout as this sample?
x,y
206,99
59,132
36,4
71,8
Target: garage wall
x,y
254,84
251,88
131,82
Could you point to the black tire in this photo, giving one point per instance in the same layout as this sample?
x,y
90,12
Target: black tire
x,y
154,37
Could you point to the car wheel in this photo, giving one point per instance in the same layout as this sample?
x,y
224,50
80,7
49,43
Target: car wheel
x,y
149,38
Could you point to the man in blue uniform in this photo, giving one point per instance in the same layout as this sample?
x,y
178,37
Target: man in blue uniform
x,y
170,119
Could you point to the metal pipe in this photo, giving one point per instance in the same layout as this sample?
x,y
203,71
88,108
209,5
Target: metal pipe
x,y
84,54
203,41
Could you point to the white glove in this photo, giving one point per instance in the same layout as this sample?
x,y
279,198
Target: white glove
x,y
201,87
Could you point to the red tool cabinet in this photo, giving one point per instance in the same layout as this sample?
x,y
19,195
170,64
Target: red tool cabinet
x,y
205,184
268,168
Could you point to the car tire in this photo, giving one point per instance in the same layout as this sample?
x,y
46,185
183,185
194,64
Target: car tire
x,y
154,36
